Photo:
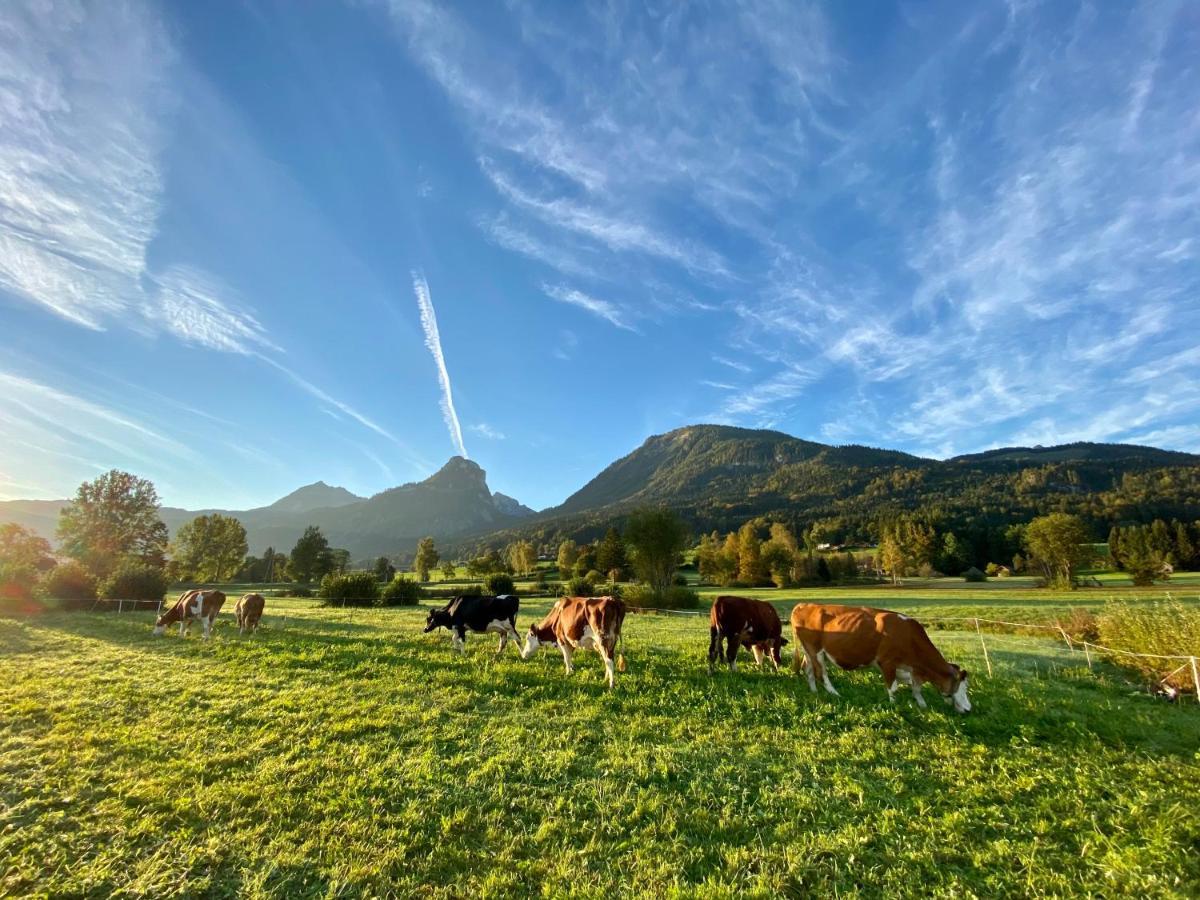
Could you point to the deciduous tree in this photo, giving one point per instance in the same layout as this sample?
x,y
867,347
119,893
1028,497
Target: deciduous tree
x,y
112,520
427,557
209,548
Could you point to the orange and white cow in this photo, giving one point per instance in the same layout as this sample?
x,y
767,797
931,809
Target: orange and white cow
x,y
248,612
581,623
857,636
202,605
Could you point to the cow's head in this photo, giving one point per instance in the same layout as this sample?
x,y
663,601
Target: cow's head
x,y
957,693
536,637
437,618
776,646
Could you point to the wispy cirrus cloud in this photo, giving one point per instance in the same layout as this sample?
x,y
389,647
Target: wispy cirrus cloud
x,y
606,310
433,341
484,430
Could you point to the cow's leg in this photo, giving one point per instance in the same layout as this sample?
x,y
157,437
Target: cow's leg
x,y
207,624
888,669
714,647
459,637
825,674
758,655
610,670
567,652
733,642
503,642
916,692
811,657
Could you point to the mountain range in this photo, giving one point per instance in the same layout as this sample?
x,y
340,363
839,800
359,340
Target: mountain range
x,y
718,477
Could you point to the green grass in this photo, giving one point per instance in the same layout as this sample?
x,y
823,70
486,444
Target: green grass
x,y
343,753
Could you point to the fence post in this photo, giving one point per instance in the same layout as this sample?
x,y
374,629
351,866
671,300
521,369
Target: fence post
x,y
986,658
1066,637
1195,679
1087,653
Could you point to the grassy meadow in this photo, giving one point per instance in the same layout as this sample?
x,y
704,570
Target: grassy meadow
x,y
342,753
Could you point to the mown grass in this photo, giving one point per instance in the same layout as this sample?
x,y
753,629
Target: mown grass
x,y
343,753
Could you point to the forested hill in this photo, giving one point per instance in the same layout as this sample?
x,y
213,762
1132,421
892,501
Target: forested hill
x,y
718,477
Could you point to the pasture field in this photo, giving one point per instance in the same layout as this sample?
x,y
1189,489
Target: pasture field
x,y
342,753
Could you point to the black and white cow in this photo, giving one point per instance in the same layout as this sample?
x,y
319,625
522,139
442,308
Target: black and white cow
x,y
478,614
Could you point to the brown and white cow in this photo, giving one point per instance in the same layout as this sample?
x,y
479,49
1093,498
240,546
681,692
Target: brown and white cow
x,y
202,605
742,621
856,636
249,611
581,623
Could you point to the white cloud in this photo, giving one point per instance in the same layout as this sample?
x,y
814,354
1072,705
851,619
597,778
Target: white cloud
x,y
610,312
433,340
484,430
196,308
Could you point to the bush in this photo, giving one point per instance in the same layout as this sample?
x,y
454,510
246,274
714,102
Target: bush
x,y
349,589
135,581
594,576
298,590
577,587
992,570
973,574
498,583
679,581
17,581
401,591
1081,625
69,581
676,597
1167,628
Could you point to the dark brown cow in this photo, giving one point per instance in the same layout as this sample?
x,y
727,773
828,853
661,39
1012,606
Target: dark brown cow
x,y
855,636
249,611
742,621
581,623
202,605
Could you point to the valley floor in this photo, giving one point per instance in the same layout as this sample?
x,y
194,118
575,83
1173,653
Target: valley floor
x,y
344,753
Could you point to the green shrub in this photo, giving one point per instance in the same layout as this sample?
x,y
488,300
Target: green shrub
x,y
17,581
675,597
498,583
349,589
973,574
577,587
135,581
69,581
299,590
401,591
1166,627
992,570
594,576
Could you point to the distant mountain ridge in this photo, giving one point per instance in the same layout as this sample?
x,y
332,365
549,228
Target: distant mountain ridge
x,y
719,476
453,501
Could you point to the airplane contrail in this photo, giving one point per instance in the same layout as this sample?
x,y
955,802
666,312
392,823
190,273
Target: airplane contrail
x,y
433,341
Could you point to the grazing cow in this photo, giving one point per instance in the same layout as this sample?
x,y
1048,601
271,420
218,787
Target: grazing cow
x,y
249,611
202,605
478,614
854,637
741,621
581,623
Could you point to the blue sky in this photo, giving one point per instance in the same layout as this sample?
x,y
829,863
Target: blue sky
x,y
246,246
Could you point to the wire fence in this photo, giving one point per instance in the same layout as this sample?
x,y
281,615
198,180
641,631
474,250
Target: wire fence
x,y
1077,645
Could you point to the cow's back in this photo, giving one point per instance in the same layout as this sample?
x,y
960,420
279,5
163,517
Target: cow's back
x,y
850,635
251,605
734,615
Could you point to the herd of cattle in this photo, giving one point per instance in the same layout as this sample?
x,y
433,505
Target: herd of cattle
x,y
850,636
